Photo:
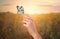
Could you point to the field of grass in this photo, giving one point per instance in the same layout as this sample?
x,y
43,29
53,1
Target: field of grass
x,y
48,25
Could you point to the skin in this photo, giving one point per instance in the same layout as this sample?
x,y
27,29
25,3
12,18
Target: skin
x,y
29,24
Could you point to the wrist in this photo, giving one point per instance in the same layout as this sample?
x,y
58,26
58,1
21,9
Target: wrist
x,y
34,34
37,36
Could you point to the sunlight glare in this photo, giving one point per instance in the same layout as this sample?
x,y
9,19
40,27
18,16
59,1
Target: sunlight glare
x,y
30,9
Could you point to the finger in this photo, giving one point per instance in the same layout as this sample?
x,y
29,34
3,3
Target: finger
x,y
25,22
26,16
28,19
25,25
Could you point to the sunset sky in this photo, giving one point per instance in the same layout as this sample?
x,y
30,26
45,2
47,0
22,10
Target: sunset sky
x,y
31,6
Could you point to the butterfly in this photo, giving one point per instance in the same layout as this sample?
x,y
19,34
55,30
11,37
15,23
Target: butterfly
x,y
20,10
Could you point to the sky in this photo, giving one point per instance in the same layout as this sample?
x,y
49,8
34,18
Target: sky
x,y
31,6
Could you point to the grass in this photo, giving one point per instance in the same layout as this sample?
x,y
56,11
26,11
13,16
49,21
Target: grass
x,y
48,25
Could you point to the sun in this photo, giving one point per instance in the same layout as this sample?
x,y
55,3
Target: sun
x,y
30,10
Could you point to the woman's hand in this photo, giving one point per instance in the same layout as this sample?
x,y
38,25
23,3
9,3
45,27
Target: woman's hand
x,y
29,24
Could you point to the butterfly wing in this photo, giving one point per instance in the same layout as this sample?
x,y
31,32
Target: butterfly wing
x,y
20,10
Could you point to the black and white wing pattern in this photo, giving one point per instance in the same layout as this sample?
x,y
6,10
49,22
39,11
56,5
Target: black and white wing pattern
x,y
20,10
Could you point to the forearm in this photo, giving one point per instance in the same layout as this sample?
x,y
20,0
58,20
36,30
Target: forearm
x,y
37,36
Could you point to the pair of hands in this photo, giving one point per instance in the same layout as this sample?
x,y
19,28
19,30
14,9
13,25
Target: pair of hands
x,y
29,24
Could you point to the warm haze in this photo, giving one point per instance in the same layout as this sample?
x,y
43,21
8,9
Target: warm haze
x,y
31,6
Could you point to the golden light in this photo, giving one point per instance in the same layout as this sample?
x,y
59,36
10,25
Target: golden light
x,y
31,6
30,9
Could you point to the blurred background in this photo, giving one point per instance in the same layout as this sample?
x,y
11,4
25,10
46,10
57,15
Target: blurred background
x,y
45,14
48,25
